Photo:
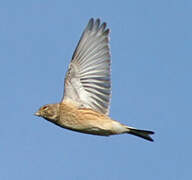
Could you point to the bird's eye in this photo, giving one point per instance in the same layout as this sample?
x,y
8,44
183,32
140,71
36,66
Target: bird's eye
x,y
44,107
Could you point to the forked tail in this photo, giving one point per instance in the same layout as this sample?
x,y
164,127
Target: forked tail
x,y
141,133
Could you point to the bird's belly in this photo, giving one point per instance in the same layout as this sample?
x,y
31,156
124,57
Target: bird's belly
x,y
87,126
84,127
89,130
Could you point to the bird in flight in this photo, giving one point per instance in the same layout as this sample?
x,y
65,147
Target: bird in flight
x,y
85,104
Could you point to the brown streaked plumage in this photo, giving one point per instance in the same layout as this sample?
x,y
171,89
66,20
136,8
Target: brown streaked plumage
x,y
85,104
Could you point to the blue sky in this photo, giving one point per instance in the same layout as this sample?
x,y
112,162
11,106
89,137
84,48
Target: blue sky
x,y
151,46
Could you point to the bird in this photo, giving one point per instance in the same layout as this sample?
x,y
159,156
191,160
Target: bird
x,y
87,89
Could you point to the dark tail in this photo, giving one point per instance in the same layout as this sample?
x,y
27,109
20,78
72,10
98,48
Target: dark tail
x,y
141,133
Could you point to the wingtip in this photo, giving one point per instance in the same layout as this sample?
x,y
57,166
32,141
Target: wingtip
x,y
98,25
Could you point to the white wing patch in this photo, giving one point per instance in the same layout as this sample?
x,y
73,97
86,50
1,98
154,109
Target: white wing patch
x,y
87,82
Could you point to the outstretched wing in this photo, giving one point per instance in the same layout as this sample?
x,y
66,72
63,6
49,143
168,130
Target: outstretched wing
x,y
87,82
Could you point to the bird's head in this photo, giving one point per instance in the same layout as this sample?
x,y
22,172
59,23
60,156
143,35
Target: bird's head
x,y
49,112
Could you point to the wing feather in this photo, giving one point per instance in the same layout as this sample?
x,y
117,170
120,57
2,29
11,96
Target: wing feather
x,y
88,82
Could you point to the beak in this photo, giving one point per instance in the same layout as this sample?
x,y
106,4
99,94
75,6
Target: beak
x,y
37,113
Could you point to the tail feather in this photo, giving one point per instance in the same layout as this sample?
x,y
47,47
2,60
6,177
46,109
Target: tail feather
x,y
141,133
